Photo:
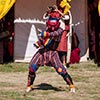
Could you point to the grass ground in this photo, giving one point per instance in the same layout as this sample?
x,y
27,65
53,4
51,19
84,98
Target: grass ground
x,y
48,84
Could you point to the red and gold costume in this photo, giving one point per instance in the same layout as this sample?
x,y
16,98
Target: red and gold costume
x,y
49,56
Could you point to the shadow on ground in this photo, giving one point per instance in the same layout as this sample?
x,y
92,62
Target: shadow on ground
x,y
45,86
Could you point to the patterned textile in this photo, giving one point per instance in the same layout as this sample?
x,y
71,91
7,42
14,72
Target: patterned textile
x,y
49,57
46,57
52,24
52,38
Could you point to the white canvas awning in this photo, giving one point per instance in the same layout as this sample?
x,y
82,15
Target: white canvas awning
x,y
28,17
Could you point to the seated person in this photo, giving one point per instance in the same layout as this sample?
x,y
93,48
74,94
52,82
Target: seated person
x,y
75,53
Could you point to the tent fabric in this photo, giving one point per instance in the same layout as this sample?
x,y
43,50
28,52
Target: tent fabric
x,y
5,6
29,17
99,7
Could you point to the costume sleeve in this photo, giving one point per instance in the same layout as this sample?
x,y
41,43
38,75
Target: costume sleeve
x,y
51,34
55,33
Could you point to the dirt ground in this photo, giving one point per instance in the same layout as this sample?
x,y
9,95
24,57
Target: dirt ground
x,y
50,85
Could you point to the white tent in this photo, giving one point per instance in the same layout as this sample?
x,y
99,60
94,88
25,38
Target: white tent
x,y
28,17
